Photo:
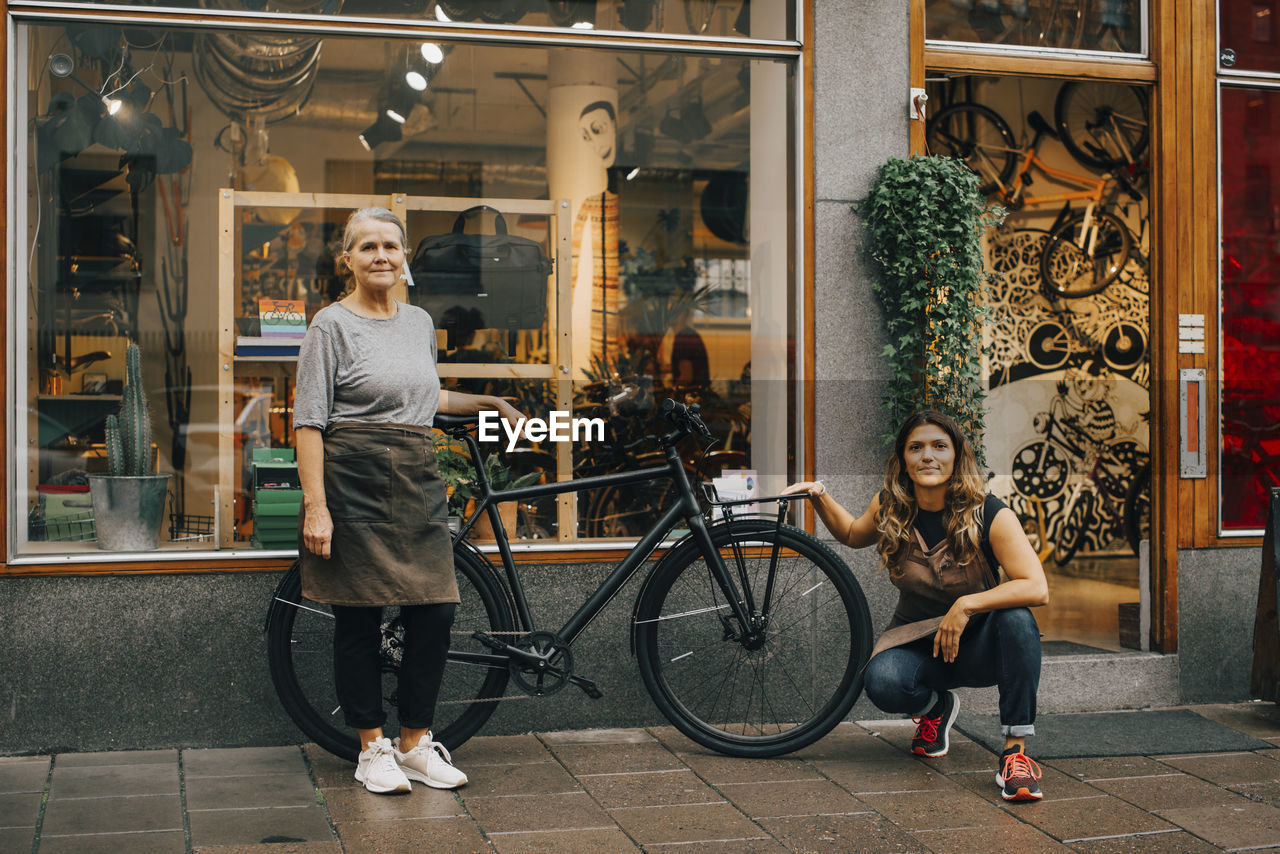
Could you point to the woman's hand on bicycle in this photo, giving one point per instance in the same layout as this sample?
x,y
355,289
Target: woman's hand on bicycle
x,y
317,531
815,488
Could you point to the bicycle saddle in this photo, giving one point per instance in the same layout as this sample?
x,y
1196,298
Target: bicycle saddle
x,y
1039,125
446,421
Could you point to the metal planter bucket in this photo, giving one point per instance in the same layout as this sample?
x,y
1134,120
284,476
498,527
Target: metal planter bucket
x,y
127,510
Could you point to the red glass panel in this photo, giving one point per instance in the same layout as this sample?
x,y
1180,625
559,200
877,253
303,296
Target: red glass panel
x,y
1250,164
1250,29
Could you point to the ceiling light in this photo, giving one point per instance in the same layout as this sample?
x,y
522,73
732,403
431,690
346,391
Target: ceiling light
x,y
395,116
113,105
631,176
441,16
416,81
382,130
432,53
583,25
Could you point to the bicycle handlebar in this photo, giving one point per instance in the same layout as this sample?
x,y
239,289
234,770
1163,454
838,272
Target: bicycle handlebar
x,y
685,419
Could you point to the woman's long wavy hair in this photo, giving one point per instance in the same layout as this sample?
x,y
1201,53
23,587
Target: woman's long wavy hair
x,y
966,493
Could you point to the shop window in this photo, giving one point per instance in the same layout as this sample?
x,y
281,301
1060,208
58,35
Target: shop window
x,y
663,158
727,19
1249,35
1066,342
1114,26
1250,264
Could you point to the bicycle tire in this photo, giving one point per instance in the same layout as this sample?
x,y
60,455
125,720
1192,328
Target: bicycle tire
x,y
1071,533
1137,509
799,681
300,656
1069,272
1083,103
978,136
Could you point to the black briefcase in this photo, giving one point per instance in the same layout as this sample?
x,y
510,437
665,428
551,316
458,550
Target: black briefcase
x,y
501,275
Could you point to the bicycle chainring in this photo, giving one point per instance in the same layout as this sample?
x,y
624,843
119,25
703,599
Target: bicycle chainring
x,y
552,673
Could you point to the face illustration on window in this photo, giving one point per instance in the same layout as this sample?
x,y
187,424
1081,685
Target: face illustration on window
x,y
598,125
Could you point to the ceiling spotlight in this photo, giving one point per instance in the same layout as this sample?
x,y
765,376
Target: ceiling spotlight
x,y
416,80
113,105
382,130
61,65
631,176
431,51
583,25
441,16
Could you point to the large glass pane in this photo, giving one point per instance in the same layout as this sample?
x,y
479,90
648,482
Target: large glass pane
x,y
662,161
1247,36
756,19
1067,362
1107,25
1250,211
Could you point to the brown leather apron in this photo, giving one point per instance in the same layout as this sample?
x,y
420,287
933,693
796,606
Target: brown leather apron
x,y
933,580
391,543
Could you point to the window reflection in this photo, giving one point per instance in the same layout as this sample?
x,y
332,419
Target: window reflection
x,y
655,154
1107,25
1250,164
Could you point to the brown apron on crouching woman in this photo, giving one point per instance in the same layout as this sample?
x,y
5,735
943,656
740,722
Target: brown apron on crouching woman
x,y
391,543
933,580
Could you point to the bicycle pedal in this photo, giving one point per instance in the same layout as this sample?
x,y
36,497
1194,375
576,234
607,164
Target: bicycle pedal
x,y
591,689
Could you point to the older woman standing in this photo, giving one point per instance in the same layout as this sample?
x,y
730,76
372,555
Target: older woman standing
x,y
944,540
373,527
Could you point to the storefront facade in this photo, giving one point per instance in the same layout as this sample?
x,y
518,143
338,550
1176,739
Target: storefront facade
x,y
179,177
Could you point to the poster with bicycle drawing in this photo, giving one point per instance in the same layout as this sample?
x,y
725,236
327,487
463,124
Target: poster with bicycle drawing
x,y
1070,381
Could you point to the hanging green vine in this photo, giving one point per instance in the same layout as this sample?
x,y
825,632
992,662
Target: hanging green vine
x,y
925,218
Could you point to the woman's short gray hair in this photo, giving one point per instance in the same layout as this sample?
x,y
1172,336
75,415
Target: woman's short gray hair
x,y
375,213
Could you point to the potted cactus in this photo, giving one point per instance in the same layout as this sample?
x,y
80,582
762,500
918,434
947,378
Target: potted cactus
x,y
128,502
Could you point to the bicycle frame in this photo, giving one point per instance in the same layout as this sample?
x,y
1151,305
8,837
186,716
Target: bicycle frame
x,y
686,508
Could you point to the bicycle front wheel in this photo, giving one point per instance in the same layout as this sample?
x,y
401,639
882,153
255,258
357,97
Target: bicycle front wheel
x,y
775,688
1071,270
300,655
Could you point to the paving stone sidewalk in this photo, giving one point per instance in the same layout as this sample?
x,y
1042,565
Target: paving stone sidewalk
x,y
650,790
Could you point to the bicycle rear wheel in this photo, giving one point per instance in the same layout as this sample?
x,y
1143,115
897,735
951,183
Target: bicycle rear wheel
x,y
767,693
1103,125
300,655
1071,271
978,136
1072,532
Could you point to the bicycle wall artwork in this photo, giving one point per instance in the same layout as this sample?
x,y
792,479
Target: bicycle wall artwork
x,y
1067,338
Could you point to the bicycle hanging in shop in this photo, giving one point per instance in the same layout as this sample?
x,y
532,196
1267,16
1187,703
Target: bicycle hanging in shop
x,y
1103,127
750,635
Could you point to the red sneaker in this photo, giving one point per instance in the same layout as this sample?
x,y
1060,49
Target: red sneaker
x,y
932,737
1018,775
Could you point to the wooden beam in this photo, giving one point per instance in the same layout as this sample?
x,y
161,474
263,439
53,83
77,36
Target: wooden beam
x,y
968,61
916,54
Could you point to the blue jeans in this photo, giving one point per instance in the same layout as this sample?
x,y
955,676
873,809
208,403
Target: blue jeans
x,y
999,648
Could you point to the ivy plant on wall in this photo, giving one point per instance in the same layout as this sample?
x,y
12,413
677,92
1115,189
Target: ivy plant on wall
x,y
925,218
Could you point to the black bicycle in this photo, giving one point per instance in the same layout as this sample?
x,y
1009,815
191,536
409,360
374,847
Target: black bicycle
x,y
750,635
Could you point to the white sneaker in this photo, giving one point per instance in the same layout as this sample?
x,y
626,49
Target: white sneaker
x,y
378,770
430,763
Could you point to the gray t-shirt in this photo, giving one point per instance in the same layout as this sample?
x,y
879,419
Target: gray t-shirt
x,y
354,368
